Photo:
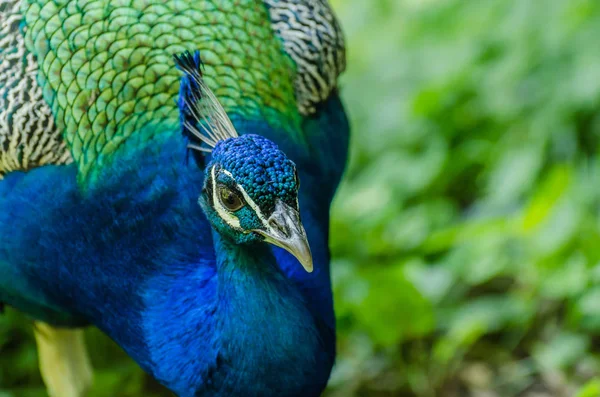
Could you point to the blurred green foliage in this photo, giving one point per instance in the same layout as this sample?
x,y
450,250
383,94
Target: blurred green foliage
x,y
466,234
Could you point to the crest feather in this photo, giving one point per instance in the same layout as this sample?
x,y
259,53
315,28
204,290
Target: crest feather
x,y
204,122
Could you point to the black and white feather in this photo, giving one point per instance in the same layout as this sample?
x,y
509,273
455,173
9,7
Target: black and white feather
x,y
29,136
312,37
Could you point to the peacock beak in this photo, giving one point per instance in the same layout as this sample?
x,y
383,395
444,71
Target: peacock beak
x,y
285,230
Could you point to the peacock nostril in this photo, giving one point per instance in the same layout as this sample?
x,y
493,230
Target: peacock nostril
x,y
276,225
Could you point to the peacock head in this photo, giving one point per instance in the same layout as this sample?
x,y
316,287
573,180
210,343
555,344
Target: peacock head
x,y
250,192
250,195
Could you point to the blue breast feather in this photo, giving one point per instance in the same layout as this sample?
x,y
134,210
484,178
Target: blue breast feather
x,y
135,253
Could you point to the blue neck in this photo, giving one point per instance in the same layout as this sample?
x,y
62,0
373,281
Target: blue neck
x,y
252,329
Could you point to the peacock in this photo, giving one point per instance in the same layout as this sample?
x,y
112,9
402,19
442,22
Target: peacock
x,y
166,174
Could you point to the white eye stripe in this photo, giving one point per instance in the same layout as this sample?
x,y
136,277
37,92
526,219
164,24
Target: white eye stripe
x,y
227,216
228,174
250,202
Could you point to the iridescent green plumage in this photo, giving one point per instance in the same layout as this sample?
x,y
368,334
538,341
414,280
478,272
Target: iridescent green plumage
x,y
106,67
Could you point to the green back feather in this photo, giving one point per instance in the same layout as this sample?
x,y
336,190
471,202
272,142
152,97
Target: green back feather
x,y
106,67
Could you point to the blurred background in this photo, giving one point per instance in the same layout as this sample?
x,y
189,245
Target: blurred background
x,y
466,234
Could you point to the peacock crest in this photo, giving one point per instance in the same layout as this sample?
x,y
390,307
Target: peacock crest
x,y
204,122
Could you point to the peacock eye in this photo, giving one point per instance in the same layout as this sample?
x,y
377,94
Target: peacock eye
x,y
230,199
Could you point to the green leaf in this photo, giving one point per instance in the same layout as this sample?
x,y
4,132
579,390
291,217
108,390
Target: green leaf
x,y
561,351
590,389
393,308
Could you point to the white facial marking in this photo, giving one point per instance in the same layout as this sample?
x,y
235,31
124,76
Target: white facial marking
x,y
227,216
230,218
251,203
